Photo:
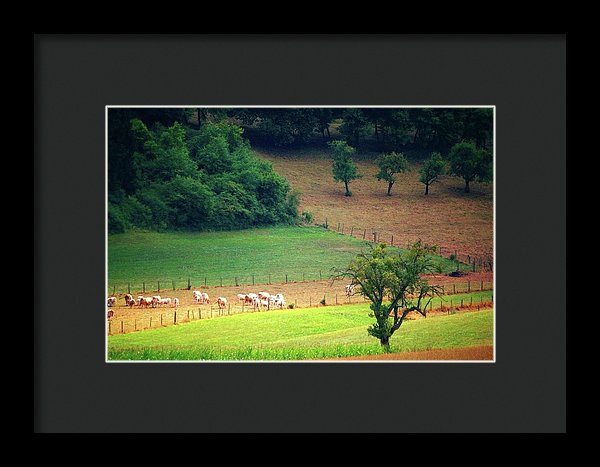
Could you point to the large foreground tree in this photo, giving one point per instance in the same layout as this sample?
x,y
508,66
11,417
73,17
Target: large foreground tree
x,y
394,285
344,170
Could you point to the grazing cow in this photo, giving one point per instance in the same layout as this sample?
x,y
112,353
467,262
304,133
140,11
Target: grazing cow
x,y
222,302
264,302
175,302
131,303
278,300
111,301
197,296
349,289
241,297
248,299
264,295
146,302
164,301
204,298
128,299
110,314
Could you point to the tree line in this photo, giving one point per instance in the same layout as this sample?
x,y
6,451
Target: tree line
x,y
464,159
164,173
375,129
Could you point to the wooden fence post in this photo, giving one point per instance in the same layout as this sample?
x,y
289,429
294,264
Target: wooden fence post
x,y
188,315
338,227
365,234
351,231
173,286
468,286
161,319
342,227
109,327
158,283
481,286
286,278
461,302
269,278
302,277
144,287
320,276
189,284
471,299
252,279
221,282
205,281
121,326
453,288
229,308
128,287
392,241
336,299
114,288
236,282
175,317
135,324
326,224
150,321
309,301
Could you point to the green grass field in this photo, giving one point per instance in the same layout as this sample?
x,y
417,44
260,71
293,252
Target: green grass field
x,y
311,333
135,257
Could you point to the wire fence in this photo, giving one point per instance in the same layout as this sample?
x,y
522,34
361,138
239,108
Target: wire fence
x,y
125,319
469,262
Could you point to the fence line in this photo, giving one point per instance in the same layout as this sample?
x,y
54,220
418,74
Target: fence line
x,y
473,262
162,316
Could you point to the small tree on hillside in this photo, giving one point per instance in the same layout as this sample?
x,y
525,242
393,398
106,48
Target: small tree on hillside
x,y
432,169
389,165
344,170
394,286
470,163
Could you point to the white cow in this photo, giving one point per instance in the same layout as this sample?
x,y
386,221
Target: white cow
x,y
222,302
204,298
196,294
111,301
175,302
349,289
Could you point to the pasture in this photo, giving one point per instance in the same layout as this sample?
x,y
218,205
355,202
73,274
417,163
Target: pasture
x,y
446,217
312,333
257,256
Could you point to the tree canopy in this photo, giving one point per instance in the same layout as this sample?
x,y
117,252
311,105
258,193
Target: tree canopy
x,y
344,170
432,168
470,163
394,285
391,164
175,176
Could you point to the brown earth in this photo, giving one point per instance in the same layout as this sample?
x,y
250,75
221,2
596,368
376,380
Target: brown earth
x,y
301,294
447,217
483,352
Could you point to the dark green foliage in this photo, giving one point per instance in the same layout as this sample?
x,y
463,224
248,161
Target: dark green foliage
x,y
470,163
344,170
307,217
355,126
199,179
389,165
431,170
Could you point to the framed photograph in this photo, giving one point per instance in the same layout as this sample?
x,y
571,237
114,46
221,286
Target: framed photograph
x,y
255,233
233,234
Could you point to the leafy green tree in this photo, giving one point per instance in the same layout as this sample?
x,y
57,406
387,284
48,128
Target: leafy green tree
x,y
470,163
389,165
394,285
344,170
432,169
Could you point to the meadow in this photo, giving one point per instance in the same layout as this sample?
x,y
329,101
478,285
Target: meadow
x,y
260,256
299,334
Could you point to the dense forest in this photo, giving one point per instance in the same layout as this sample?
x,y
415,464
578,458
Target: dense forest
x,y
194,169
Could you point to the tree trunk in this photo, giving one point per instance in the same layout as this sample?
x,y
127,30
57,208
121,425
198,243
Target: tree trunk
x,y
389,192
427,188
347,190
328,134
467,189
376,133
385,343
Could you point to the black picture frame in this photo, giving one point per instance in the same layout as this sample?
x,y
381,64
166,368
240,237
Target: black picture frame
x,y
75,77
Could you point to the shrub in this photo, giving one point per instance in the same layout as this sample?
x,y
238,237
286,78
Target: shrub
x,y
322,302
307,217
291,306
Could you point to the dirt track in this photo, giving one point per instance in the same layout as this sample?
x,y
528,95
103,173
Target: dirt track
x,y
484,352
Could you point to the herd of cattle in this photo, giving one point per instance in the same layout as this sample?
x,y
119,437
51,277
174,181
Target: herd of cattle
x,y
258,300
